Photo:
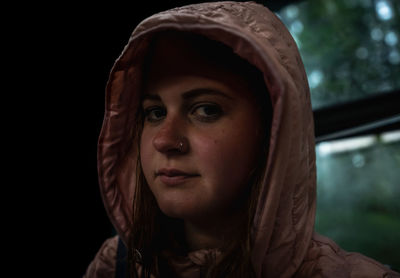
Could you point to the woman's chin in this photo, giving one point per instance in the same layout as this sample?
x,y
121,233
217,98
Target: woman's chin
x,y
181,210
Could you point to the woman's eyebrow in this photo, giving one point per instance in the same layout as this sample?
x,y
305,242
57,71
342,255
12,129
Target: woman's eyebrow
x,y
204,91
191,94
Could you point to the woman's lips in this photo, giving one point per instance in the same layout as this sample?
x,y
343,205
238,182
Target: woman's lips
x,y
174,176
175,180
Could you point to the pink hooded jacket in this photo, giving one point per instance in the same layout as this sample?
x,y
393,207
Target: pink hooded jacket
x,y
285,243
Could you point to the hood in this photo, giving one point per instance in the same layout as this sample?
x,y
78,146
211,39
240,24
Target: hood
x,y
284,220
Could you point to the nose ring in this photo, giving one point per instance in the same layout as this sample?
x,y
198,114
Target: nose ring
x,y
180,146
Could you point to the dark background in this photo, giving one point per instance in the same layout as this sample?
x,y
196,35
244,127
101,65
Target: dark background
x,y
73,48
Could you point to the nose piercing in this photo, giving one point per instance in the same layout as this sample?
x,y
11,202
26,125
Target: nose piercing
x,y
180,146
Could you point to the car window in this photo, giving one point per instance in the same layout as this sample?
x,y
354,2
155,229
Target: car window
x,y
358,191
350,49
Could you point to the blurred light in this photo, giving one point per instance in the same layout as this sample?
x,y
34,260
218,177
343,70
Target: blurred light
x,y
358,160
391,38
391,136
362,53
346,145
383,10
292,11
315,78
296,27
385,86
377,34
394,57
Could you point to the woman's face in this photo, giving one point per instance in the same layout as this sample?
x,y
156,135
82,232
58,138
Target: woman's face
x,y
214,115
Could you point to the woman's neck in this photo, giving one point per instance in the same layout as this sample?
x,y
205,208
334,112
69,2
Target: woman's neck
x,y
212,234
199,238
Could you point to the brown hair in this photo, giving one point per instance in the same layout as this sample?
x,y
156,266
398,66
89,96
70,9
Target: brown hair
x,y
153,234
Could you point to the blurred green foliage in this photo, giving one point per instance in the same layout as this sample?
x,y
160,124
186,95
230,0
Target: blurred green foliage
x,y
358,205
350,48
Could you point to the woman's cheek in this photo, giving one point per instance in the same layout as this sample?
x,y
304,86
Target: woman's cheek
x,y
214,153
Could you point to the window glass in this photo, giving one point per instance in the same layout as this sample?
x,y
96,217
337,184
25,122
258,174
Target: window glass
x,y
350,48
358,195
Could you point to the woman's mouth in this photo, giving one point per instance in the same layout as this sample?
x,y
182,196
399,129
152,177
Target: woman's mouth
x,y
173,177
175,180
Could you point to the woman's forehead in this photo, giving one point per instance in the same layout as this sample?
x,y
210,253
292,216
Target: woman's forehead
x,y
180,54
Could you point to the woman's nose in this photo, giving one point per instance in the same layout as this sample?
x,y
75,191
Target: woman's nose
x,y
170,138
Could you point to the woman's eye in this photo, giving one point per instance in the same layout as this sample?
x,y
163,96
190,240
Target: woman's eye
x,y
153,114
203,112
207,112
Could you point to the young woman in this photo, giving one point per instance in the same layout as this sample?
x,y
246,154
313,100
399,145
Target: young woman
x,y
206,156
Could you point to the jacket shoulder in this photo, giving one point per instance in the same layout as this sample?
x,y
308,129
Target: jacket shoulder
x,y
104,263
363,266
325,259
